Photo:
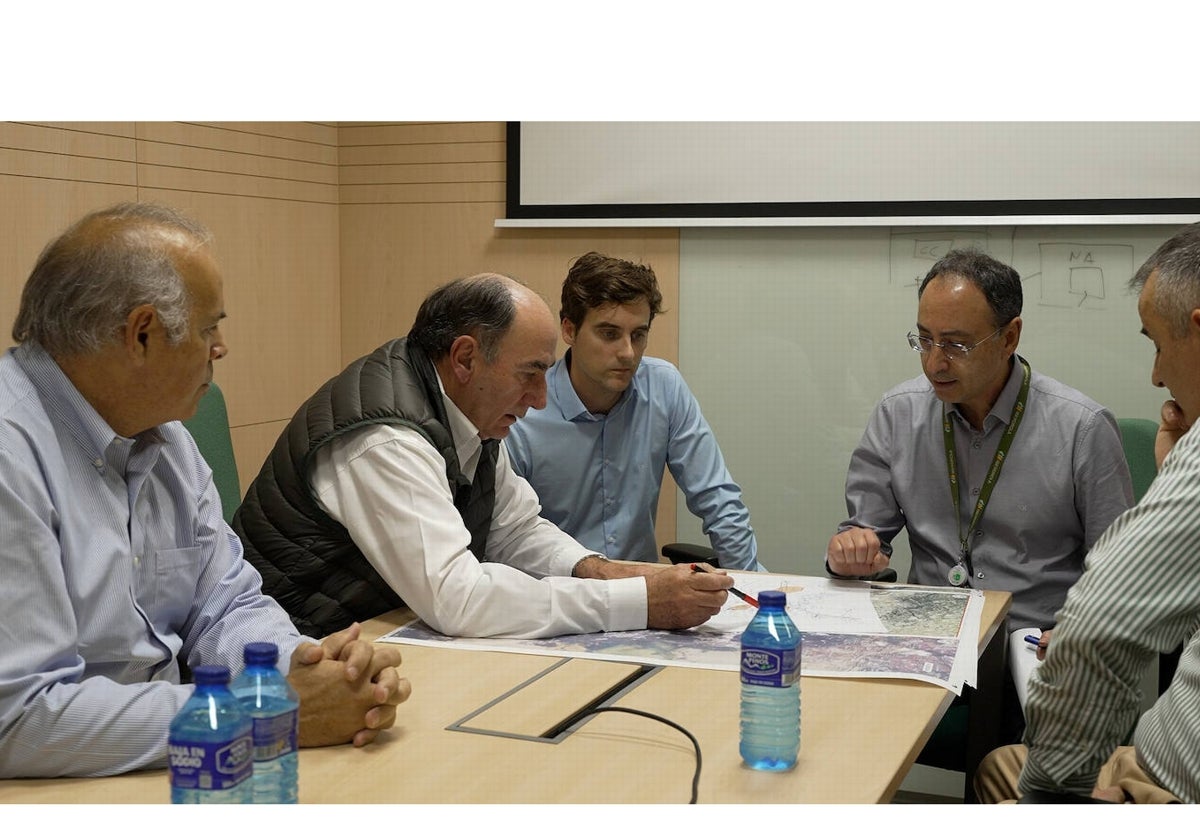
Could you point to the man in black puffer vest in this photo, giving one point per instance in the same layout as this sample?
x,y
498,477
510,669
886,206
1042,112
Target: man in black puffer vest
x,y
388,487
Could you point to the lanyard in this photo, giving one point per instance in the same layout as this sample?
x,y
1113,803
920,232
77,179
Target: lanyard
x,y
962,572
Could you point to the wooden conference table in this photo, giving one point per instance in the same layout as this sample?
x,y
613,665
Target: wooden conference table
x,y
859,737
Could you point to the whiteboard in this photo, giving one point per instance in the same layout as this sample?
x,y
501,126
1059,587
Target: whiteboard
x,y
788,338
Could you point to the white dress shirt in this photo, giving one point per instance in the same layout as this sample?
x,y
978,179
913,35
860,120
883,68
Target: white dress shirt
x,y
387,485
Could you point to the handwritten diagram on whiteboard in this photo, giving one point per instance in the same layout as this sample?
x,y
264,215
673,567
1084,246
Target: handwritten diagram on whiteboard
x,y
1076,275
1067,275
913,252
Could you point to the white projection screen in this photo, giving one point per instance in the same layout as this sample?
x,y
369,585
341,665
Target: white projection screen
x,y
845,172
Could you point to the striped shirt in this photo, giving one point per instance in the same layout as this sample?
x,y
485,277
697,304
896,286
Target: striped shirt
x,y
116,565
1139,596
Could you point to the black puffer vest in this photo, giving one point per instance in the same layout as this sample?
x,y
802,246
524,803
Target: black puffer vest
x,y
308,561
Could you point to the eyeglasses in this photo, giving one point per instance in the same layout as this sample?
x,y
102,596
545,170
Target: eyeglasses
x,y
952,350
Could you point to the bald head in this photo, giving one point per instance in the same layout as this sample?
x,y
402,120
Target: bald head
x,y
483,306
100,269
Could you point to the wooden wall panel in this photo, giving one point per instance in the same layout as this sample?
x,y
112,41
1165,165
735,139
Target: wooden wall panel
x,y
268,191
280,264
412,194
469,152
33,212
59,167
266,139
394,255
83,155
454,172
323,135
155,153
390,134
87,140
251,445
232,183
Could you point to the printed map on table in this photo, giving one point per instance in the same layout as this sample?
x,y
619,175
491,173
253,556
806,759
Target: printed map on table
x,y
851,629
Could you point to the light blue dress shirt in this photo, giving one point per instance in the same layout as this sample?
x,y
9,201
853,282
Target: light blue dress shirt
x,y
116,566
598,476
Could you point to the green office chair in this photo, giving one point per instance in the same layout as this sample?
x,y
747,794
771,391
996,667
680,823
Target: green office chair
x,y
1137,436
210,428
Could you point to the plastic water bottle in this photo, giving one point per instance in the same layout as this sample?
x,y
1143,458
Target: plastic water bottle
x,y
275,709
209,749
770,666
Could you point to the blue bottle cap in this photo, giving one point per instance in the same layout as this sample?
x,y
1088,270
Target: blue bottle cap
x,y
260,653
772,598
210,675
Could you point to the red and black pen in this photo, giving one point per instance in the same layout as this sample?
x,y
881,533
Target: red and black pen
x,y
751,601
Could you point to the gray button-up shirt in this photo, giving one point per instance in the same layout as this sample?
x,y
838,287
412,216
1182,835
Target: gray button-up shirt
x,y
1064,481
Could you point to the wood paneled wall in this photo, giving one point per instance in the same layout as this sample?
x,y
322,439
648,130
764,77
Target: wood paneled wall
x,y
329,236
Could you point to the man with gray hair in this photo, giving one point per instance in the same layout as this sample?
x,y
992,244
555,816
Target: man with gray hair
x,y
1139,597
389,488
119,571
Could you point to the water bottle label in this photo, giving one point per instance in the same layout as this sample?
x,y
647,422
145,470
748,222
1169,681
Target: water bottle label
x,y
763,666
202,766
275,736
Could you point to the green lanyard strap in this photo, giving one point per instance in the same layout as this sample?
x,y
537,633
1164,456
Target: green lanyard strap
x,y
985,493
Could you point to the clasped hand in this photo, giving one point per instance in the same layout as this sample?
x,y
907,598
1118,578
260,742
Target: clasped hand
x,y
348,687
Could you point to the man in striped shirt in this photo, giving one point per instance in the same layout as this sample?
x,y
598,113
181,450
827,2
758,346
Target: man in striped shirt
x,y
1139,596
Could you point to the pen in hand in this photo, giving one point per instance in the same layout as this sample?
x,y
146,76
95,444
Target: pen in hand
x,y
751,601
1036,641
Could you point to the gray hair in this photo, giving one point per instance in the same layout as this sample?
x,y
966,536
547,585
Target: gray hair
x,y
481,305
1177,289
88,280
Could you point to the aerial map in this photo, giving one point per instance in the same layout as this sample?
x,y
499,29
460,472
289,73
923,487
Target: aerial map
x,y
850,629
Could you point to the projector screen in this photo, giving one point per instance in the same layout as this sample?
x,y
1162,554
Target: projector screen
x,y
852,170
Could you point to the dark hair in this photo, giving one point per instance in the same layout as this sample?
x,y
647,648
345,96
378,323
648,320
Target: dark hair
x,y
88,280
481,305
1177,289
596,280
1000,284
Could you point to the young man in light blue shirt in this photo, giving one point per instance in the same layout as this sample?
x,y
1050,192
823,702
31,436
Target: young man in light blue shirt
x,y
614,420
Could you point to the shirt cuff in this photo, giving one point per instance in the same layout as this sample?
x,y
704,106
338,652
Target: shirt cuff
x,y
627,604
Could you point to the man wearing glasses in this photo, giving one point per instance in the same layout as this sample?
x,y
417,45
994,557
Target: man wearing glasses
x,y
1003,477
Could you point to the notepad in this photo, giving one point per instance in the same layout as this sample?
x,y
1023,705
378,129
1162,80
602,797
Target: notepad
x,y
1022,660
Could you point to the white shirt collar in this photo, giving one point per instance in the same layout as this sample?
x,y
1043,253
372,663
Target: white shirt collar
x,y
466,437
